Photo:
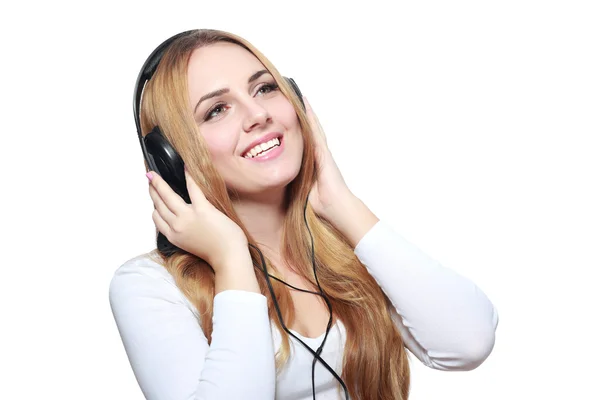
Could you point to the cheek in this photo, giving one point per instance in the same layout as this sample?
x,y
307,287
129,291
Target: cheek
x,y
287,115
221,142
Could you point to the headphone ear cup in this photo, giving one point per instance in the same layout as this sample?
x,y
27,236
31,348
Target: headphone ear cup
x,y
165,247
164,160
297,90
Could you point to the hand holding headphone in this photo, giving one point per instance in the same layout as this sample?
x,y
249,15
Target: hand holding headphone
x,y
198,227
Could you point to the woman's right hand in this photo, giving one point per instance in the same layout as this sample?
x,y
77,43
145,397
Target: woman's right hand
x,y
198,228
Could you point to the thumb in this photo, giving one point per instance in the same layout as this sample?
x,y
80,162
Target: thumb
x,y
196,195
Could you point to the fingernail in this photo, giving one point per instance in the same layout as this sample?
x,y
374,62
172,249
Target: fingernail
x,y
149,176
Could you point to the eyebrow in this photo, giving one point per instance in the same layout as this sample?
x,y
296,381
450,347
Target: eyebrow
x,y
220,92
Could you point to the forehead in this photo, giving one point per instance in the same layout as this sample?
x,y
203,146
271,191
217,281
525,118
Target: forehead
x,y
220,65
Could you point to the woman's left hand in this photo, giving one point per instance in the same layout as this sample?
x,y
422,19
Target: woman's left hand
x,y
330,187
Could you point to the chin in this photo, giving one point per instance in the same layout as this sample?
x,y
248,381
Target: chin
x,y
264,188
273,184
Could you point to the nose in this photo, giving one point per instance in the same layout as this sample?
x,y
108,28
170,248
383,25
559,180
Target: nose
x,y
257,115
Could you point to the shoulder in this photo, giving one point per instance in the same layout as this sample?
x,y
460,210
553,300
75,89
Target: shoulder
x,y
143,279
147,264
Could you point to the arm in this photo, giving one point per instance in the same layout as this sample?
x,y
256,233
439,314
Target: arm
x,y
168,351
446,321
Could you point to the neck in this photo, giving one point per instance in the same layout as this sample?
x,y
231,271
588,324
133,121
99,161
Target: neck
x,y
263,216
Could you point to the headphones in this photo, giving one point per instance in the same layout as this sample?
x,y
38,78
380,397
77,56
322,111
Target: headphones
x,y
162,158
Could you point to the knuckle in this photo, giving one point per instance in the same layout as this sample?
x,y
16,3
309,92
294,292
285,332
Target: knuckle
x,y
178,226
155,219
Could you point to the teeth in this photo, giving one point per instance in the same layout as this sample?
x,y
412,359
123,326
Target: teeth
x,y
261,147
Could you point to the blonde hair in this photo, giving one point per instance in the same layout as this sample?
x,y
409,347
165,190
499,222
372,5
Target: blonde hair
x,y
375,362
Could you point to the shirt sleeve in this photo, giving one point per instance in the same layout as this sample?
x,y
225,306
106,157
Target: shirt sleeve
x,y
445,320
170,355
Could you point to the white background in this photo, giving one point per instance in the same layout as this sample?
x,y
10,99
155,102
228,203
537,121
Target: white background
x,y
472,127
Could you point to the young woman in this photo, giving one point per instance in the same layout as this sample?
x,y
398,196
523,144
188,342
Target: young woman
x,y
210,320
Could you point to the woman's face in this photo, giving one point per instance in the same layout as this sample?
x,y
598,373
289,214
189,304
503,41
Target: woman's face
x,y
237,105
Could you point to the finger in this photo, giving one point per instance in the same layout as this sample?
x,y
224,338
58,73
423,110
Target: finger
x,y
161,224
315,124
160,206
309,109
172,200
196,195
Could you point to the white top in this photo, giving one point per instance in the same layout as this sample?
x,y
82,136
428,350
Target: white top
x,y
446,321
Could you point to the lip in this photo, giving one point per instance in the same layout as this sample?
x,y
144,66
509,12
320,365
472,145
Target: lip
x,y
263,139
274,153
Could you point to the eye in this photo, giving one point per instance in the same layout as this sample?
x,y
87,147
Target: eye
x,y
267,88
215,111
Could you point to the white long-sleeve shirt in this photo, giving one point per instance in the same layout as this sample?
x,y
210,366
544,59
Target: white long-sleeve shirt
x,y
446,321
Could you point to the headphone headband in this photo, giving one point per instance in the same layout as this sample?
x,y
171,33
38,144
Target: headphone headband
x,y
144,76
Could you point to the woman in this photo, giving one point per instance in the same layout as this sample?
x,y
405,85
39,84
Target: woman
x,y
201,323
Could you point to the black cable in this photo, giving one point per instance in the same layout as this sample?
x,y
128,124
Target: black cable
x,y
320,349
317,354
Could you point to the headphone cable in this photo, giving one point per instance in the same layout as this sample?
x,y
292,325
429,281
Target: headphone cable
x,y
316,354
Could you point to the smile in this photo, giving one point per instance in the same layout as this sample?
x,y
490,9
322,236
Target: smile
x,y
268,151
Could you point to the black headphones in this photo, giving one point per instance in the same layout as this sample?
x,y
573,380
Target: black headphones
x,y
162,158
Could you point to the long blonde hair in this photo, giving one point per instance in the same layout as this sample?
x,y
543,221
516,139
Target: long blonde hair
x,y
375,363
